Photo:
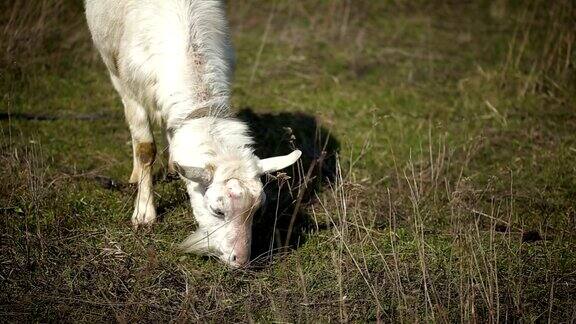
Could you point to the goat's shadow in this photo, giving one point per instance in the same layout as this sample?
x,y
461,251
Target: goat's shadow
x,y
283,220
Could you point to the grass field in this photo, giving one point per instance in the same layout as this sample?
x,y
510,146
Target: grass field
x,y
438,182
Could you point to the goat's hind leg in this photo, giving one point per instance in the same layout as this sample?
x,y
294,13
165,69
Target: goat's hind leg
x,y
144,151
171,172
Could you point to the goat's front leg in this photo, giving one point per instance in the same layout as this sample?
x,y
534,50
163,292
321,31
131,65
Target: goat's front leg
x,y
144,150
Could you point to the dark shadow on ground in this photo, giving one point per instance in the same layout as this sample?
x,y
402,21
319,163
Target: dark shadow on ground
x,y
283,216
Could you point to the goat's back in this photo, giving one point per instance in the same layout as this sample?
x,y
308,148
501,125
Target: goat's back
x,y
164,52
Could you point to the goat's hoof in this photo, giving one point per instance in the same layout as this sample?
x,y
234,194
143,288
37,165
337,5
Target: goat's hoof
x,y
142,228
171,176
143,219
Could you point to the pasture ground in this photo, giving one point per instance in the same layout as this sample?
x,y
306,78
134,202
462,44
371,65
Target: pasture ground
x,y
447,190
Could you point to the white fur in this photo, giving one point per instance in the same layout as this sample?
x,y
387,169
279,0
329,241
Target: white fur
x,y
171,61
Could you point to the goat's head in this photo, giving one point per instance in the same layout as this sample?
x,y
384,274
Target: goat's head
x,y
225,196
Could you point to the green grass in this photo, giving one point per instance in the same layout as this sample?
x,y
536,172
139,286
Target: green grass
x,y
447,194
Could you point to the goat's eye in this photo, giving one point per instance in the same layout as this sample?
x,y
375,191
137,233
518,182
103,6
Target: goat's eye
x,y
217,212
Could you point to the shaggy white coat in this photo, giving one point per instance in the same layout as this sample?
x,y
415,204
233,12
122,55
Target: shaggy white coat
x,y
171,61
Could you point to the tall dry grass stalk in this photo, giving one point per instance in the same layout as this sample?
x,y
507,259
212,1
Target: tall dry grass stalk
x,y
543,48
32,30
24,169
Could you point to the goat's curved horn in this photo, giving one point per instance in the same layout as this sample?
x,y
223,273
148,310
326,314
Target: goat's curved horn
x,y
279,162
196,174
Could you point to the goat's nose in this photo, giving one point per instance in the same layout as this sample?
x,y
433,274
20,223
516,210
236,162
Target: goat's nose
x,y
239,260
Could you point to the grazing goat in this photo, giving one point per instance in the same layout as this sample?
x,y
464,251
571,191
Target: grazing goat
x,y
171,62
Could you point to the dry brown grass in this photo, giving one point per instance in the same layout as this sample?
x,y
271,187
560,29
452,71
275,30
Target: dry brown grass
x,y
33,32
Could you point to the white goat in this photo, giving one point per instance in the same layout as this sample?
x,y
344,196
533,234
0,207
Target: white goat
x,y
171,62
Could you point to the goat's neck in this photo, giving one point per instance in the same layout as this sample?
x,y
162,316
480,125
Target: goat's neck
x,y
213,140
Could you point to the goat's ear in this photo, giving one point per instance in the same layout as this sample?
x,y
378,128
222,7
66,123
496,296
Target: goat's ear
x,y
278,162
196,174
